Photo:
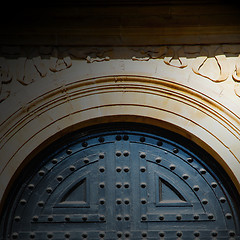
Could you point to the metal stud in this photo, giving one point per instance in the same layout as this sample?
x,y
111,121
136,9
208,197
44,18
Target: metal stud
x,y
172,167
125,153
72,168
126,169
54,161
232,233
67,235
50,235
196,234
190,160
101,139
67,218
118,201
127,234
175,150
101,169
118,169
84,235
118,137
142,169
118,153
179,234
119,234
126,185
125,137
69,151
59,178
119,185
102,218
185,176
126,201
31,186
203,171
32,235
41,173
196,217
84,218
101,185
101,234
119,217
144,217
50,218
158,159
222,199
86,160
17,218
35,218
84,144
161,234
142,155
101,155
23,201
210,216
178,217
196,188
161,217
102,201
143,201
40,203
205,201
127,217
159,143
49,190
143,185
144,234
214,233
142,139
214,184
228,215
15,235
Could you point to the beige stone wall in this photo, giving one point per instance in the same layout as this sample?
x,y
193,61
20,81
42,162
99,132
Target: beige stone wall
x,y
48,92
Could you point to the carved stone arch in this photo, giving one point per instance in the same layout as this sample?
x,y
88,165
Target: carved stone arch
x,y
60,109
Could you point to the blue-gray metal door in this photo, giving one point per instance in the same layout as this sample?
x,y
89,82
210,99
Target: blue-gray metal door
x,y
122,184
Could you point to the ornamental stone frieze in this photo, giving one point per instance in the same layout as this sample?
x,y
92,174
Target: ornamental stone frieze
x,y
20,66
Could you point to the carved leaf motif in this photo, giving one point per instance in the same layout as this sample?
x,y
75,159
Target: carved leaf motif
x,y
57,65
40,66
237,89
215,68
176,59
236,73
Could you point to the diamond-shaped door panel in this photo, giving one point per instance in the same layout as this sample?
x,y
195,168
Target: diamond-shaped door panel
x,y
121,184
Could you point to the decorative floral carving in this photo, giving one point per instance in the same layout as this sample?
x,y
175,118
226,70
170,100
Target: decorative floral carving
x,y
57,64
236,73
177,57
217,62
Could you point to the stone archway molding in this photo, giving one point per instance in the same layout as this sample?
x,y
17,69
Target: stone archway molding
x,y
61,108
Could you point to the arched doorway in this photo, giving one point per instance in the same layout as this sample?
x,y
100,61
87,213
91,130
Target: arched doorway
x,y
122,181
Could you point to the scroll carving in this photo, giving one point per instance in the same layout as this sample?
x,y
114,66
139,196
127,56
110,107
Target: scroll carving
x,y
215,62
97,59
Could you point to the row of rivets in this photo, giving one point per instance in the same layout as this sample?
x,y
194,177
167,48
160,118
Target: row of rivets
x,y
125,153
119,234
126,217
119,201
125,137
125,169
119,185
